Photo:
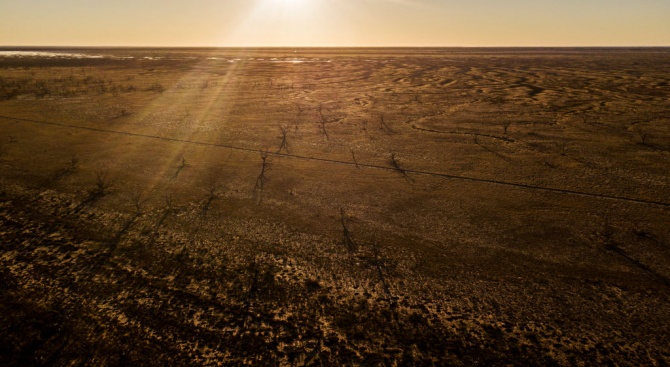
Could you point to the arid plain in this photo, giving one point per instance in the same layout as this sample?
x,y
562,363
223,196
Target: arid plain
x,y
329,207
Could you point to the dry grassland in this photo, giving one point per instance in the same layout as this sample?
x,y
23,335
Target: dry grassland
x,y
329,207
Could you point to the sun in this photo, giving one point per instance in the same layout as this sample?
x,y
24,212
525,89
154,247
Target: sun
x,y
282,22
292,3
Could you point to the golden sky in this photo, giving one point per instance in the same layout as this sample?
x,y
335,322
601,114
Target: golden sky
x,y
335,23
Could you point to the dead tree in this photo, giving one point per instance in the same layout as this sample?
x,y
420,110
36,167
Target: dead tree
x,y
346,235
139,202
102,183
365,129
643,137
72,166
387,129
102,187
169,202
260,181
353,156
212,194
322,122
378,262
284,142
181,166
169,209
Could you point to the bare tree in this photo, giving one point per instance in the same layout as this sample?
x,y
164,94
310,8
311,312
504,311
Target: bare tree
x,y
353,156
346,235
169,209
643,137
74,163
284,142
169,202
139,201
260,181
102,183
212,194
71,167
322,122
181,166
379,263
385,127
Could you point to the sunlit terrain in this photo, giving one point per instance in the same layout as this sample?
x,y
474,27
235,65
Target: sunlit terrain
x,y
329,207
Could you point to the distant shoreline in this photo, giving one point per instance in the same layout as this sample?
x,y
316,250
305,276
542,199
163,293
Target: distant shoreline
x,y
442,48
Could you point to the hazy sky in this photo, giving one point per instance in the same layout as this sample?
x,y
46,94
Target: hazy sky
x,y
335,22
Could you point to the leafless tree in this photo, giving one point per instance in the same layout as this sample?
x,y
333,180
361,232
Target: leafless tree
x,y
322,122
284,142
212,193
643,137
260,181
353,156
378,263
139,201
74,163
102,183
181,166
365,130
385,127
346,235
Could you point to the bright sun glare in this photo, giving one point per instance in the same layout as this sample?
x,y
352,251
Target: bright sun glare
x,y
285,22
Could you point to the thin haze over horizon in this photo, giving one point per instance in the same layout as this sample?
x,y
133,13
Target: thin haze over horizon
x,y
335,23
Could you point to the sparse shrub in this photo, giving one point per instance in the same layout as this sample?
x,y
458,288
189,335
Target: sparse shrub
x,y
169,202
563,146
102,183
393,161
299,107
119,111
506,126
643,137
157,87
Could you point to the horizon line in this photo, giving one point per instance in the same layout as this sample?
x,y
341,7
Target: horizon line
x,y
302,46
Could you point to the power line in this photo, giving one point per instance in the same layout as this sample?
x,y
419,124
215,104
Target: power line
x,y
365,165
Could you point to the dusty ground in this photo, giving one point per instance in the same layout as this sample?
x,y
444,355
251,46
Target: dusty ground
x,y
333,207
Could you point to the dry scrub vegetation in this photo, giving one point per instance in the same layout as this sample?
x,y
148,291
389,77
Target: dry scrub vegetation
x,y
390,207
